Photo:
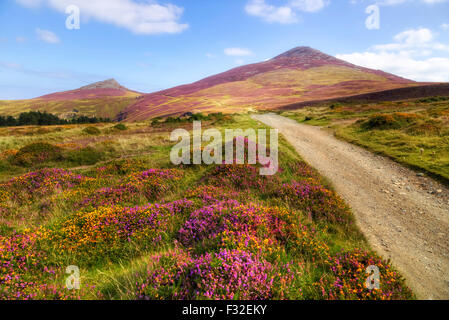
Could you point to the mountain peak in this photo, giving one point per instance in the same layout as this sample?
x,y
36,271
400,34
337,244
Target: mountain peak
x,y
106,84
96,90
303,53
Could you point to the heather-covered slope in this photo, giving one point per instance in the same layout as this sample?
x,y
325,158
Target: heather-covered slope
x,y
139,227
301,74
104,99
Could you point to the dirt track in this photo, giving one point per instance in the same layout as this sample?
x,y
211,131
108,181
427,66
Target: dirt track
x,y
404,216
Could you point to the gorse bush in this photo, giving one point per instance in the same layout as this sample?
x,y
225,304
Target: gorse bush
x,y
36,153
120,127
26,275
316,201
390,121
150,184
40,183
122,167
39,153
85,156
242,177
210,194
92,131
108,233
428,127
382,121
349,277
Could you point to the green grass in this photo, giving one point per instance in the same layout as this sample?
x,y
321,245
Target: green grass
x,y
413,133
423,153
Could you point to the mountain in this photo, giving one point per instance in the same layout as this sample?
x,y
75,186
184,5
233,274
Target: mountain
x,y
106,99
101,89
295,77
298,75
107,84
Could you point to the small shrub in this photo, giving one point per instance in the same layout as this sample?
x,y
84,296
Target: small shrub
x,y
172,120
121,167
406,118
381,122
210,194
85,156
4,165
199,116
334,106
316,201
38,184
390,121
229,224
429,127
242,177
120,127
36,153
93,131
349,276
43,131
432,99
151,184
106,232
225,275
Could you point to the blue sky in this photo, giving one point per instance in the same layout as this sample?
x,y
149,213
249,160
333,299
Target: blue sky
x,y
153,45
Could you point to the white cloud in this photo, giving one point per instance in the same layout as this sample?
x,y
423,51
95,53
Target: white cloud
x,y
269,13
413,39
445,26
139,17
237,52
285,14
309,5
413,36
396,2
412,56
402,64
435,1
47,36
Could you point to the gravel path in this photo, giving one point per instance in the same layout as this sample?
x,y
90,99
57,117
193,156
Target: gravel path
x,y
404,215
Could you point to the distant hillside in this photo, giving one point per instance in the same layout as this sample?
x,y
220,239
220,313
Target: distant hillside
x,y
301,74
415,92
106,99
